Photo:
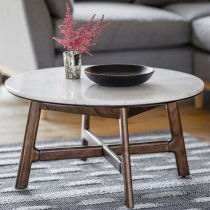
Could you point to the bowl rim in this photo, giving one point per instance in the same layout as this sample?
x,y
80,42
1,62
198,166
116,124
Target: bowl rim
x,y
151,70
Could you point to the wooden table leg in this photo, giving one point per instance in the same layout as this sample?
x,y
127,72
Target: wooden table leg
x,y
199,100
1,78
177,144
28,153
85,126
126,163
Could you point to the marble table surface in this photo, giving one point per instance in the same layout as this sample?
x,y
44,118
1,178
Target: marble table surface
x,y
50,85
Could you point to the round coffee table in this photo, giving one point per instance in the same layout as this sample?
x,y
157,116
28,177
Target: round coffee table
x,y
49,90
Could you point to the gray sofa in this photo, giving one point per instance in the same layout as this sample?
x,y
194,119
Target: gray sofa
x,y
171,34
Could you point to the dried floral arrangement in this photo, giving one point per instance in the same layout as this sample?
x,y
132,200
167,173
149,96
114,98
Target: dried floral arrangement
x,y
80,39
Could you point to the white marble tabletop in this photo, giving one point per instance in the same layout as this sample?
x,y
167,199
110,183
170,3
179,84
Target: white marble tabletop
x,y
50,85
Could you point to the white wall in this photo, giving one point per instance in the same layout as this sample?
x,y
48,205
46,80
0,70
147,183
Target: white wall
x,y
16,52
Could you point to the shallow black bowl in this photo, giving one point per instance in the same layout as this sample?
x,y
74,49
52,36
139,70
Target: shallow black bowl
x,y
119,75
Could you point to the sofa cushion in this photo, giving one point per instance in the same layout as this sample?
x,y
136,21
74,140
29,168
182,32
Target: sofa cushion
x,y
105,0
138,27
164,2
179,58
201,33
190,11
57,8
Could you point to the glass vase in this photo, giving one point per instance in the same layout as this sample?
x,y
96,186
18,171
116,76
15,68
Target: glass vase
x,y
72,64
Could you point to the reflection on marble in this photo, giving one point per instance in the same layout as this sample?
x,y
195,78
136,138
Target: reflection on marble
x,y
50,85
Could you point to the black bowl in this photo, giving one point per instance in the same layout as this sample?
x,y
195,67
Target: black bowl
x,y
119,75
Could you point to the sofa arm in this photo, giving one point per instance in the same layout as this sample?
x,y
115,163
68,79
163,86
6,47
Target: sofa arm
x,y
25,38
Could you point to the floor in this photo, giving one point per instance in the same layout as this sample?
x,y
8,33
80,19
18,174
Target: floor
x,y
13,112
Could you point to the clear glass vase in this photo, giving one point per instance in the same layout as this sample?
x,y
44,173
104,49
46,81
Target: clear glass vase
x,y
72,64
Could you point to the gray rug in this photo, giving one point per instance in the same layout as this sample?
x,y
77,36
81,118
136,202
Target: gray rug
x,y
95,184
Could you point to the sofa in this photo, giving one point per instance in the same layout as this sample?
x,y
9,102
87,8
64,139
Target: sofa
x,y
170,34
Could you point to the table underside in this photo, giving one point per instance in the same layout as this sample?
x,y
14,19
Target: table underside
x,y
31,154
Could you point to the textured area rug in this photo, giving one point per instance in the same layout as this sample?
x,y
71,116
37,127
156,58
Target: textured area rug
x,y
95,184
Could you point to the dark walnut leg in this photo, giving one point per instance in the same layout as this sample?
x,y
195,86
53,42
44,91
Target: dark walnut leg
x,y
29,153
126,163
85,126
1,78
177,144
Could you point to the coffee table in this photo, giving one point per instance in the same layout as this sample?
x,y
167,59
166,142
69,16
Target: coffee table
x,y
49,90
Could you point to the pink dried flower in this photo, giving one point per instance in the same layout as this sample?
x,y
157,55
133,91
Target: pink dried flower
x,y
82,38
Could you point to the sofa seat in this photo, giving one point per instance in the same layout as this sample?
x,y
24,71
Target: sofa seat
x,y
133,26
201,33
179,58
190,11
202,65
